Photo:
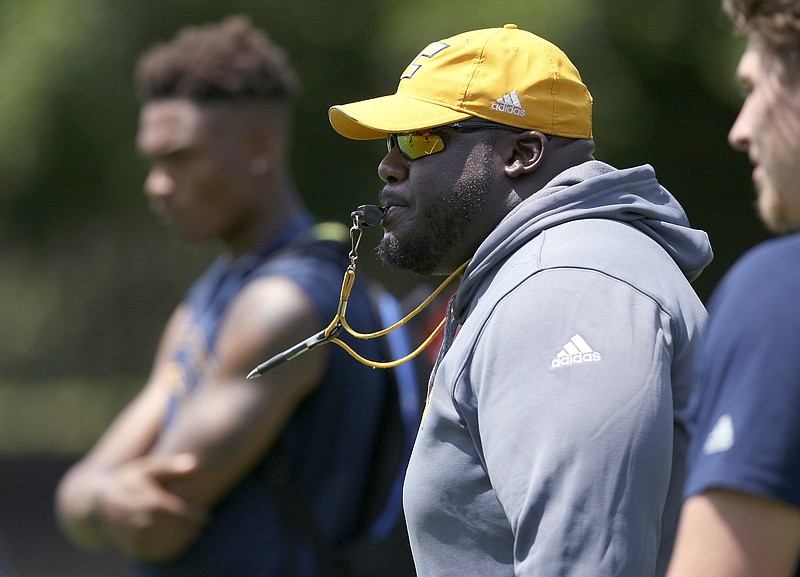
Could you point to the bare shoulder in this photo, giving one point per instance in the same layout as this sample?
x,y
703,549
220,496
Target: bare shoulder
x,y
270,315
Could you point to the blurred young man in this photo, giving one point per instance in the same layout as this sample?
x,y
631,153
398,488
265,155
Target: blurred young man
x,y
184,480
555,433
742,513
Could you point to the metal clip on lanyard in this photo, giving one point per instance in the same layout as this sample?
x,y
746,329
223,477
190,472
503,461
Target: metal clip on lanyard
x,y
364,217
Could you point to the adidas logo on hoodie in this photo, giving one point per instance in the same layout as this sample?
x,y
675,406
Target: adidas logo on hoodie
x,y
576,351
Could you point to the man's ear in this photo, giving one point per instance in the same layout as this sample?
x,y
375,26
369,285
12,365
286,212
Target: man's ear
x,y
263,141
526,154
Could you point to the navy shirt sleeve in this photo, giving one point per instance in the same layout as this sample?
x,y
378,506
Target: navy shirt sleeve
x,y
747,396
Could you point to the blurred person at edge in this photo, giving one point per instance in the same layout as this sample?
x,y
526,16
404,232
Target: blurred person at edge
x,y
741,517
176,482
554,437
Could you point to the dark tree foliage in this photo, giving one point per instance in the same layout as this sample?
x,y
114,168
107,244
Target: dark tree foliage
x,y
87,278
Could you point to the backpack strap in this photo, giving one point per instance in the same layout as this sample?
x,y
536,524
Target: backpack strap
x,y
409,399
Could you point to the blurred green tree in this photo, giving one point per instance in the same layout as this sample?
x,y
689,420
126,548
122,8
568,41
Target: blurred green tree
x,y
87,278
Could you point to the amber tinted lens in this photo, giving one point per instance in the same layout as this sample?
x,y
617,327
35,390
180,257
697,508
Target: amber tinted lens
x,y
415,145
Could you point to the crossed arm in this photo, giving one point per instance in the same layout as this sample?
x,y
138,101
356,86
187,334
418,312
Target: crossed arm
x,y
149,491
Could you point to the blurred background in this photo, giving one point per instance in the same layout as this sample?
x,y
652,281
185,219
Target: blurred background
x,y
87,277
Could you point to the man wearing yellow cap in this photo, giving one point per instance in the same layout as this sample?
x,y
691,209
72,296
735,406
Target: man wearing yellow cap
x,y
555,432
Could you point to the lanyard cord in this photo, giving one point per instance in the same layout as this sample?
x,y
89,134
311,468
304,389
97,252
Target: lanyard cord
x,y
330,333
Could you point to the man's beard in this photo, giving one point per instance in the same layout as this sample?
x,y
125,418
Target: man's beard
x,y
773,208
773,212
443,224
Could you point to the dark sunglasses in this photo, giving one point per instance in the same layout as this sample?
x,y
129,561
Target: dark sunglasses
x,y
413,145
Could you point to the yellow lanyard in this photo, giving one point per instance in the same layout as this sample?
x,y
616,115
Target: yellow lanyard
x,y
339,322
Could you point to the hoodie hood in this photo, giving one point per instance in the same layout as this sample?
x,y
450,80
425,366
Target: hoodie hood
x,y
593,189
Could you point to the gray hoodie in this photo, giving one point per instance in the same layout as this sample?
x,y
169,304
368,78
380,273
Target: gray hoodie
x,y
555,434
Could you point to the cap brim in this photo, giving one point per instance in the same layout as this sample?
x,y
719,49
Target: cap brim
x,y
377,117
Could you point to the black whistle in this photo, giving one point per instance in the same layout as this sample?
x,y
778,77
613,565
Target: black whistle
x,y
368,215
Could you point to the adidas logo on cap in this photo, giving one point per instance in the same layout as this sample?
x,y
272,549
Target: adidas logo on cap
x,y
509,103
576,351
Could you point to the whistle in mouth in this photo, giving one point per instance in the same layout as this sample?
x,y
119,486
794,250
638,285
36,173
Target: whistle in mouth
x,y
369,215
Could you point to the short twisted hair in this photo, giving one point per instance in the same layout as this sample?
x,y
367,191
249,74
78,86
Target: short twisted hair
x,y
775,22
227,61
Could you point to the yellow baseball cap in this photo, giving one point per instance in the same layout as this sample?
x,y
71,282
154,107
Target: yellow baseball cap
x,y
505,75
